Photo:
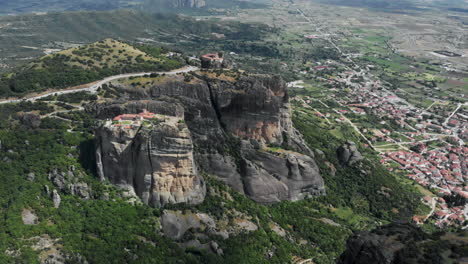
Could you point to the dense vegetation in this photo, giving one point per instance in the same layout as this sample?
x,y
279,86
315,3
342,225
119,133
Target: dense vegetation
x,y
369,189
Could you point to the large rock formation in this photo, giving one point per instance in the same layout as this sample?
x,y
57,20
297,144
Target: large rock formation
x,y
403,243
348,154
240,127
155,161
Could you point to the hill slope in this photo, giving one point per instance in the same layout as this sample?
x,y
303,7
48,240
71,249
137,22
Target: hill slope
x,y
83,65
26,37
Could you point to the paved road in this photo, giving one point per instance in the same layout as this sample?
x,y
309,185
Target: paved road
x,y
95,85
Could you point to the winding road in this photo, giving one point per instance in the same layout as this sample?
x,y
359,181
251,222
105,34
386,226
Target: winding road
x,y
93,87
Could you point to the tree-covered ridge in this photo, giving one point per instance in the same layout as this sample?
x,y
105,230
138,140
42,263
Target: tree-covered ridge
x,y
83,65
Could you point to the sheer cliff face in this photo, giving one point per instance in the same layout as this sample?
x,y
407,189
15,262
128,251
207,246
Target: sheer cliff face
x,y
254,109
233,122
156,162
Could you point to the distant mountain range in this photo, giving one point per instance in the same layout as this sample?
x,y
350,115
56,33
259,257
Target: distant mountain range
x,y
35,6
163,6
30,6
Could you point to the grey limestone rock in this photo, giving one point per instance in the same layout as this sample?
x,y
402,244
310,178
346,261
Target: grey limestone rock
x,y
175,224
155,162
348,154
387,244
29,217
31,176
69,182
56,198
215,248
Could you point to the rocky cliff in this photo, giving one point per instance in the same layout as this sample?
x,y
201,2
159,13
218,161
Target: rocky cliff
x,y
154,161
348,154
241,131
403,243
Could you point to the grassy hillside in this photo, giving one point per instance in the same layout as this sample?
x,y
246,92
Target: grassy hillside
x,y
83,65
107,53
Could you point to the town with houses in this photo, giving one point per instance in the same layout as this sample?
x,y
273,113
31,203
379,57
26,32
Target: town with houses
x,y
428,145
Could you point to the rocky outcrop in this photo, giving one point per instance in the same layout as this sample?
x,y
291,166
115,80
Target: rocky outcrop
x,y
155,162
273,177
402,243
348,154
29,217
198,229
56,199
174,224
233,121
188,3
31,177
70,182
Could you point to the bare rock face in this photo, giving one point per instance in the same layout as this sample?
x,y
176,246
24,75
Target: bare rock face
x,y
29,217
175,224
70,182
348,154
273,177
56,199
155,162
256,110
232,123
